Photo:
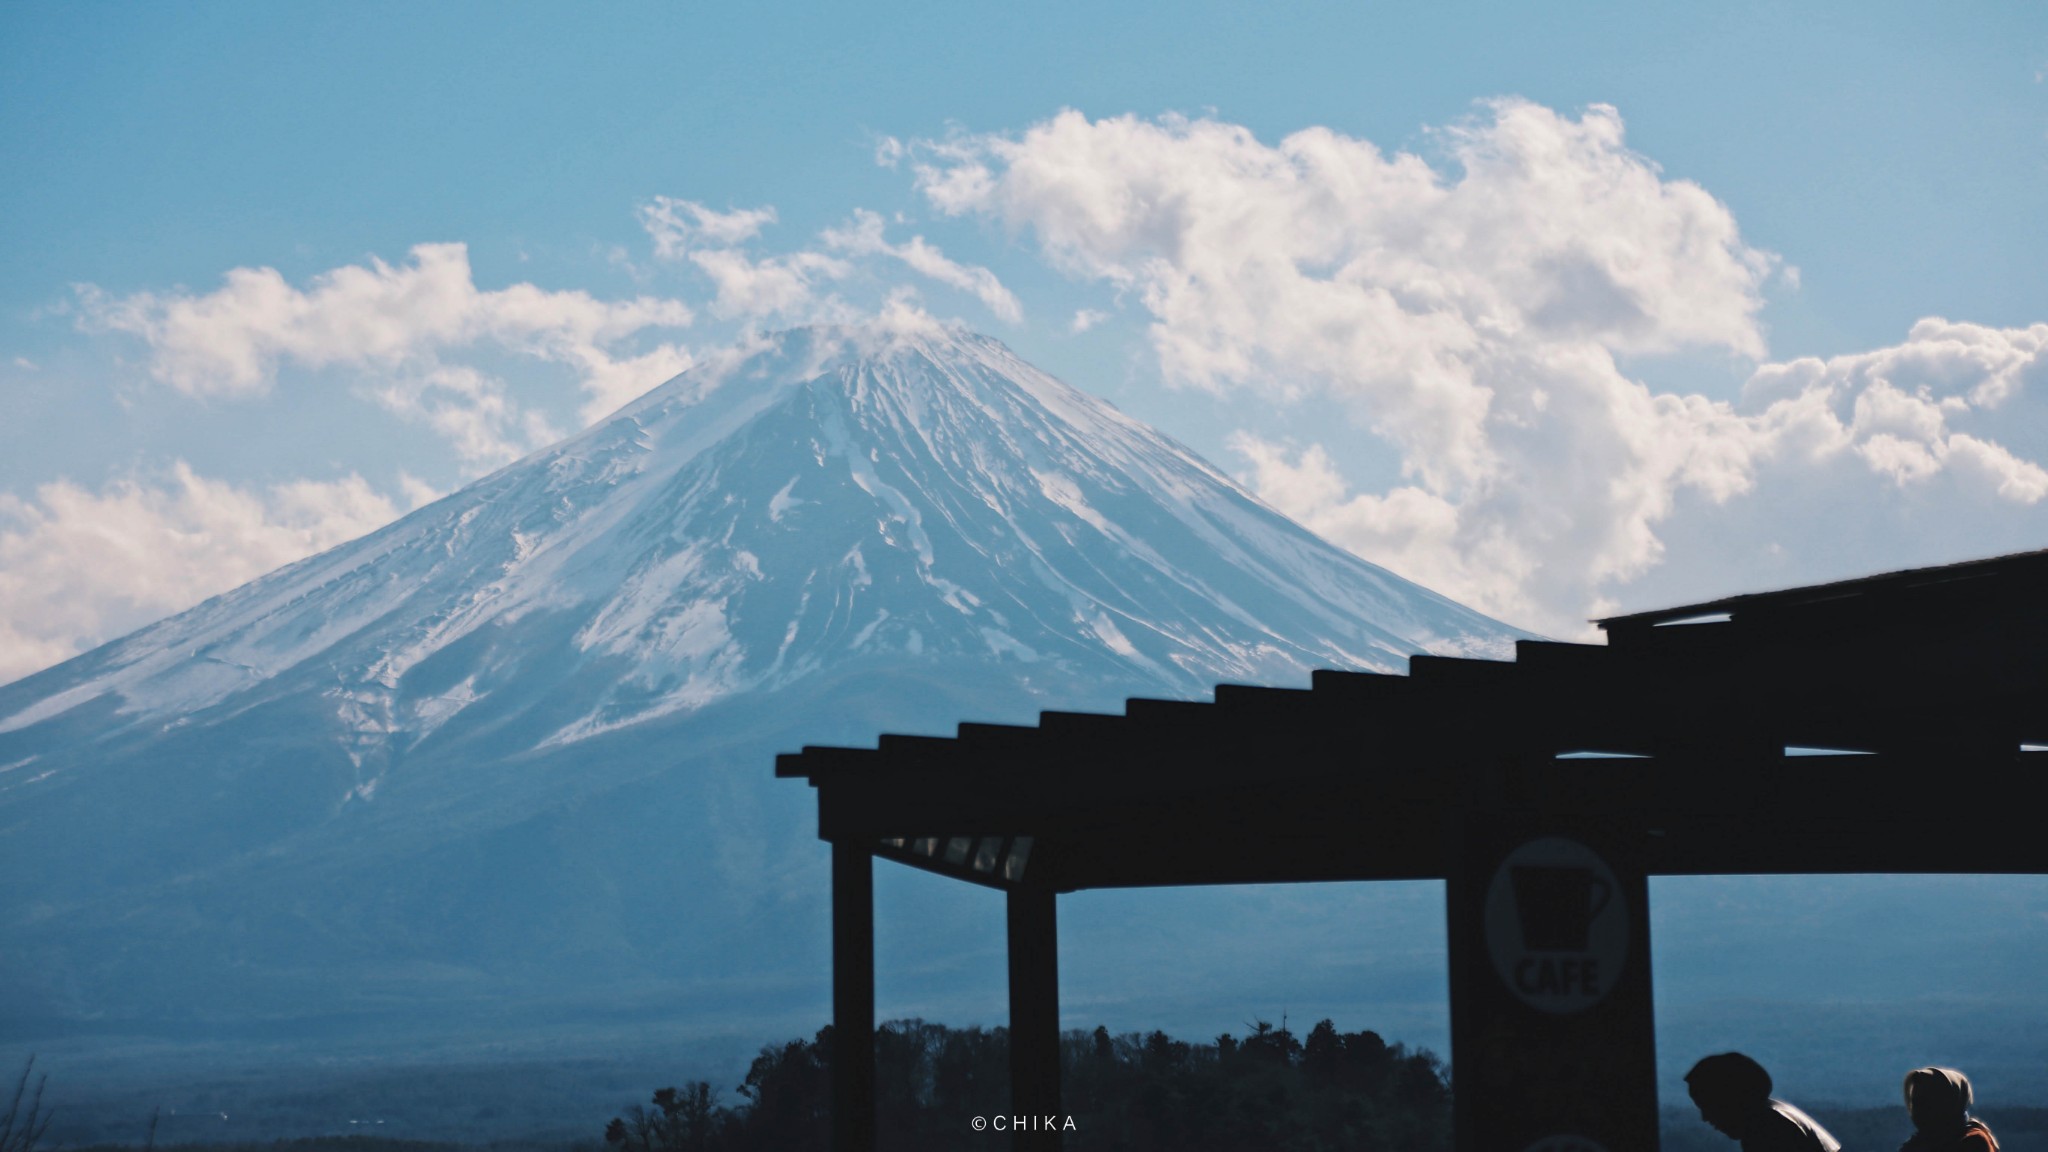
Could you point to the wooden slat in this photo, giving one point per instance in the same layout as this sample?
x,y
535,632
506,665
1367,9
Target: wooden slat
x,y
1438,672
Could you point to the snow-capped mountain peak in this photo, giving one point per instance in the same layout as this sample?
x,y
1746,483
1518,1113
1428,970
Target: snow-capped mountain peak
x,y
448,770
828,494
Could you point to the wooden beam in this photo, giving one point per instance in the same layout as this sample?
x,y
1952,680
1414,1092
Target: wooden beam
x,y
1034,1018
853,999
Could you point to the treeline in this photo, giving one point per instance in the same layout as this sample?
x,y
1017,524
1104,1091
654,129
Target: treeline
x,y
1329,1091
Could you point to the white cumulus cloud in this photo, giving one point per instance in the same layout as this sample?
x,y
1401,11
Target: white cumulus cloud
x,y
1907,411
1471,313
79,567
397,318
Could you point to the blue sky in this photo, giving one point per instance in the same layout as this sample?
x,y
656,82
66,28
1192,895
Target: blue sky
x,y
1747,184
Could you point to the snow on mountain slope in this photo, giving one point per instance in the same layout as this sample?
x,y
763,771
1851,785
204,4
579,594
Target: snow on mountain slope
x,y
737,529
458,760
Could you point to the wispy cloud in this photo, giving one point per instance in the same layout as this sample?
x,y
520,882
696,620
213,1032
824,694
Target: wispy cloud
x,y
747,286
678,226
863,236
471,411
792,285
409,317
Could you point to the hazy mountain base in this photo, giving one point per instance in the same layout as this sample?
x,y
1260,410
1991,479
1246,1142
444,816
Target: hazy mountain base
x,y
558,1090
543,1102
1367,951
1352,951
1272,1088
683,881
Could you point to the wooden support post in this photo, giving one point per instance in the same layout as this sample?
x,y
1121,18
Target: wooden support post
x,y
853,999
1552,1031
1034,1020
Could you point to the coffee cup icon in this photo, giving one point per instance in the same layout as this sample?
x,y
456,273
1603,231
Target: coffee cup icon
x,y
1557,904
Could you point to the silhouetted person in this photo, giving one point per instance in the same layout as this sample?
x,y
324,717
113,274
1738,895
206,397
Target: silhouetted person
x,y
1938,1100
1733,1093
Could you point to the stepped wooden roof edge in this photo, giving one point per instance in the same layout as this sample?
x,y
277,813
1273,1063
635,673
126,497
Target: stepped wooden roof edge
x,y
1901,582
1886,723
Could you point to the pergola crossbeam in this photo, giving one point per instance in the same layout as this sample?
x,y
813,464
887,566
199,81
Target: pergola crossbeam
x,y
1557,782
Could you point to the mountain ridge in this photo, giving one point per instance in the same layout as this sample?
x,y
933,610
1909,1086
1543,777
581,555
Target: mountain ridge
x,y
199,659
453,762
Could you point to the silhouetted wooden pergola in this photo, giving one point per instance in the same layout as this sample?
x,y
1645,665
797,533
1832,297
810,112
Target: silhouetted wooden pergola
x,y
1886,724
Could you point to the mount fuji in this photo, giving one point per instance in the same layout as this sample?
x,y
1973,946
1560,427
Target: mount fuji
x,y
509,757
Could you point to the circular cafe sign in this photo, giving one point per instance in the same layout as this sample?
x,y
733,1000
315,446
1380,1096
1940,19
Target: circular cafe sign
x,y
1557,925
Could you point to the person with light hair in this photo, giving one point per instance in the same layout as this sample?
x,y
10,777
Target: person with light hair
x,y
1733,1093
1938,1100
